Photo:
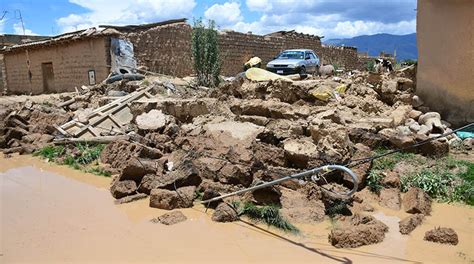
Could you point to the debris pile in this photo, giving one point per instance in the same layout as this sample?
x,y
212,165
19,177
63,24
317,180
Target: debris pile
x,y
177,142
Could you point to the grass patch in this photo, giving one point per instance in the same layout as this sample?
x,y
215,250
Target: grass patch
x,y
50,152
82,157
97,170
446,180
382,165
269,214
339,207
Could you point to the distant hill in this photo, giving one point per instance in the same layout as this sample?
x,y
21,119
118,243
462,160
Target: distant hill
x,y
374,44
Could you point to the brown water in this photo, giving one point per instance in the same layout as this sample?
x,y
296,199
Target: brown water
x,y
52,214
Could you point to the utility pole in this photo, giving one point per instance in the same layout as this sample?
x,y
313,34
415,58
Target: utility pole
x,y
21,20
3,15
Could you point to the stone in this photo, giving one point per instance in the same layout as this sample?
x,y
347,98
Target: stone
x,y
186,174
442,235
302,207
410,222
149,182
416,101
131,198
416,201
423,130
400,114
434,148
366,137
390,198
119,152
430,115
170,218
415,114
269,154
391,180
224,213
265,196
357,231
120,189
210,193
136,168
165,199
235,174
153,120
257,120
299,151
362,170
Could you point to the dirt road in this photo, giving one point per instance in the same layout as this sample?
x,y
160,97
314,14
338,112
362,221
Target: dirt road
x,y
53,214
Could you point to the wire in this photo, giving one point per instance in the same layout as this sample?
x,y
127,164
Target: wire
x,y
357,162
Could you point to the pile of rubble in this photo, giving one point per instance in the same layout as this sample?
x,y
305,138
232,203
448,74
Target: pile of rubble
x,y
186,141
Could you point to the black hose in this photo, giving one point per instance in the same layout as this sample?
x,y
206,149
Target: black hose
x,y
127,76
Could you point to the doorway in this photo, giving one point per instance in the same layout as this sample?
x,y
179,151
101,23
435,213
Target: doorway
x,y
48,76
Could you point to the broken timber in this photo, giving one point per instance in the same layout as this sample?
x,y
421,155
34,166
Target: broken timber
x,y
110,119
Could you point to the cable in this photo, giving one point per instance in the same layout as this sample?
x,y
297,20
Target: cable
x,y
357,162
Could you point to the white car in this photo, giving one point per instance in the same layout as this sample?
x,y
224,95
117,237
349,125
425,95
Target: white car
x,y
293,61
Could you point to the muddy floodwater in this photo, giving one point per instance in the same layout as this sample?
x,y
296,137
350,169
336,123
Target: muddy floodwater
x,y
53,214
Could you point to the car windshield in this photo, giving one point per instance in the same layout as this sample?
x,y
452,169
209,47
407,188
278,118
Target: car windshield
x,y
291,55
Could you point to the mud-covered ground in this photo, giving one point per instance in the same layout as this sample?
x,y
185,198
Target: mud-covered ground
x,y
54,214
188,143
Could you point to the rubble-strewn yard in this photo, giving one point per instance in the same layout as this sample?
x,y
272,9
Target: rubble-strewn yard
x,y
188,143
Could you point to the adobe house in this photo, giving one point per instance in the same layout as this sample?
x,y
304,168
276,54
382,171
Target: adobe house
x,y
445,74
58,64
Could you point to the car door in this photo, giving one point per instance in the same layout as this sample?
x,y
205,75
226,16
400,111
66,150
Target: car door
x,y
308,62
315,61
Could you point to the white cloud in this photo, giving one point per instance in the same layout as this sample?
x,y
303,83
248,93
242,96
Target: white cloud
x,y
259,5
124,12
355,28
18,29
331,18
225,14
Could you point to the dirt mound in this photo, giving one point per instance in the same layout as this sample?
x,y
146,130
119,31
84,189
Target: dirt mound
x,y
118,153
416,201
170,218
442,235
224,213
164,199
409,223
358,231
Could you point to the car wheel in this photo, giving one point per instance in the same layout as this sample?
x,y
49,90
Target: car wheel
x,y
302,70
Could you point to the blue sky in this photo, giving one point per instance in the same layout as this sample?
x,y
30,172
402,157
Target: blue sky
x,y
329,18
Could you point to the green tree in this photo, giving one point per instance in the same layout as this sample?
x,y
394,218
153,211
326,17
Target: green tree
x,y
205,51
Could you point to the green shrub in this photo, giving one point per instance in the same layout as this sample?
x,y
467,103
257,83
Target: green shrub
x,y
205,53
269,214
371,65
374,180
446,180
50,152
88,154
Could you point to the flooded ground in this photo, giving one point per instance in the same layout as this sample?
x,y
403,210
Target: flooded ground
x,y
53,214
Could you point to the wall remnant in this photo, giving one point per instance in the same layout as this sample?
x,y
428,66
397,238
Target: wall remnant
x,y
445,74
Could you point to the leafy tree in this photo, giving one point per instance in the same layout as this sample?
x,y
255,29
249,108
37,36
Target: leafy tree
x,y
205,50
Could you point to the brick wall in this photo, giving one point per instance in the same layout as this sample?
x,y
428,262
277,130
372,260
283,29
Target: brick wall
x,y
71,64
167,49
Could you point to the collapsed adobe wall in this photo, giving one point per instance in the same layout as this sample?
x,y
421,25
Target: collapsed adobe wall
x,y
164,49
167,49
346,57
